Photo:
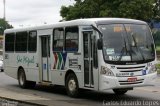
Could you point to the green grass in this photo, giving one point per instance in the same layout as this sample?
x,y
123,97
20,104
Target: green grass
x,y
158,52
158,68
158,48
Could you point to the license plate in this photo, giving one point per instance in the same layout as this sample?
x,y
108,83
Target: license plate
x,y
133,79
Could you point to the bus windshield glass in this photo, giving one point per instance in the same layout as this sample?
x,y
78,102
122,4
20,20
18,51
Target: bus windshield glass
x,y
127,43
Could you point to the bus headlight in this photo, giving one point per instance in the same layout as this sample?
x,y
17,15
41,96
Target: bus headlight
x,y
106,71
152,69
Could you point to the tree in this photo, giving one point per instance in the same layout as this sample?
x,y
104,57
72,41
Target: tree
x,y
4,25
157,10
136,9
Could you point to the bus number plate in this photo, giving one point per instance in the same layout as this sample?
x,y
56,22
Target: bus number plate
x,y
133,79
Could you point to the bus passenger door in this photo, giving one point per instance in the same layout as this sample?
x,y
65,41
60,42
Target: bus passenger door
x,y
45,51
88,59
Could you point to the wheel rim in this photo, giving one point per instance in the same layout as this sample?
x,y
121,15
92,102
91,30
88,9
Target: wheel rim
x,y
72,85
21,79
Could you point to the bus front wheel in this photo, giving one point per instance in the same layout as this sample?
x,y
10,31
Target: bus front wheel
x,y
22,79
72,86
120,91
23,83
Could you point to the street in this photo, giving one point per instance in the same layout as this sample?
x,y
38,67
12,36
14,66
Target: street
x,y
56,96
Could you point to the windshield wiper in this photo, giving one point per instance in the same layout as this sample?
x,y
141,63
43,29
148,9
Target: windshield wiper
x,y
123,49
127,50
137,46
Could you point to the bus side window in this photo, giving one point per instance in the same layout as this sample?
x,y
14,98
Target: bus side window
x,y
9,42
58,39
71,38
32,41
21,41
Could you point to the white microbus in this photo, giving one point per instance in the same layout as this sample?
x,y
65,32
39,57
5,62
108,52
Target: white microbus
x,y
96,54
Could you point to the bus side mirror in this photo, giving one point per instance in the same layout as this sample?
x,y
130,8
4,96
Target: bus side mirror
x,y
99,44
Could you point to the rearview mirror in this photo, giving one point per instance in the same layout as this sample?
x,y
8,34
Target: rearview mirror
x,y
99,44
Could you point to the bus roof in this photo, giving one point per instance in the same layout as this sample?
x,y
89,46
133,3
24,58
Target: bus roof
x,y
88,21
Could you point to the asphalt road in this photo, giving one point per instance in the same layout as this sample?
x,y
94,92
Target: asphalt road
x,y
56,95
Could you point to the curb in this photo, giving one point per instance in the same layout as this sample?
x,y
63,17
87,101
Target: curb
x,y
20,101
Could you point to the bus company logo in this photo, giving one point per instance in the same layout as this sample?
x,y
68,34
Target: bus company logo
x,y
131,74
60,60
25,59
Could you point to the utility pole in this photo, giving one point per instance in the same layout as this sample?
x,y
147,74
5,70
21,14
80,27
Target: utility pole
x,y
4,3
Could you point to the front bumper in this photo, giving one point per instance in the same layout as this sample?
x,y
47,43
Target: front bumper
x,y
108,82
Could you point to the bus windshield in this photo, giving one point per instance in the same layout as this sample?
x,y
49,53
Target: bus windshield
x,y
124,43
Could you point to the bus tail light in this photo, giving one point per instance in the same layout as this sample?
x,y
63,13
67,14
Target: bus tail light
x,y
106,71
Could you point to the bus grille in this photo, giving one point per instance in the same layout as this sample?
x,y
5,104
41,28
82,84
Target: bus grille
x,y
132,70
134,67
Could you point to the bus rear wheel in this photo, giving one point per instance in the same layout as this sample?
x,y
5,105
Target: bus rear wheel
x,y
72,86
120,91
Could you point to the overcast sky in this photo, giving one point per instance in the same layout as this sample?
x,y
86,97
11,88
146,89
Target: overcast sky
x,y
33,12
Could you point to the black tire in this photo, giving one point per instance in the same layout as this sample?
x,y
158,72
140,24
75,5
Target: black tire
x,y
72,86
120,91
23,83
22,79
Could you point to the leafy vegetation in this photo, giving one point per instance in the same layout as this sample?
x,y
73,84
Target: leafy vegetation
x,y
158,68
4,25
158,48
156,36
136,9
